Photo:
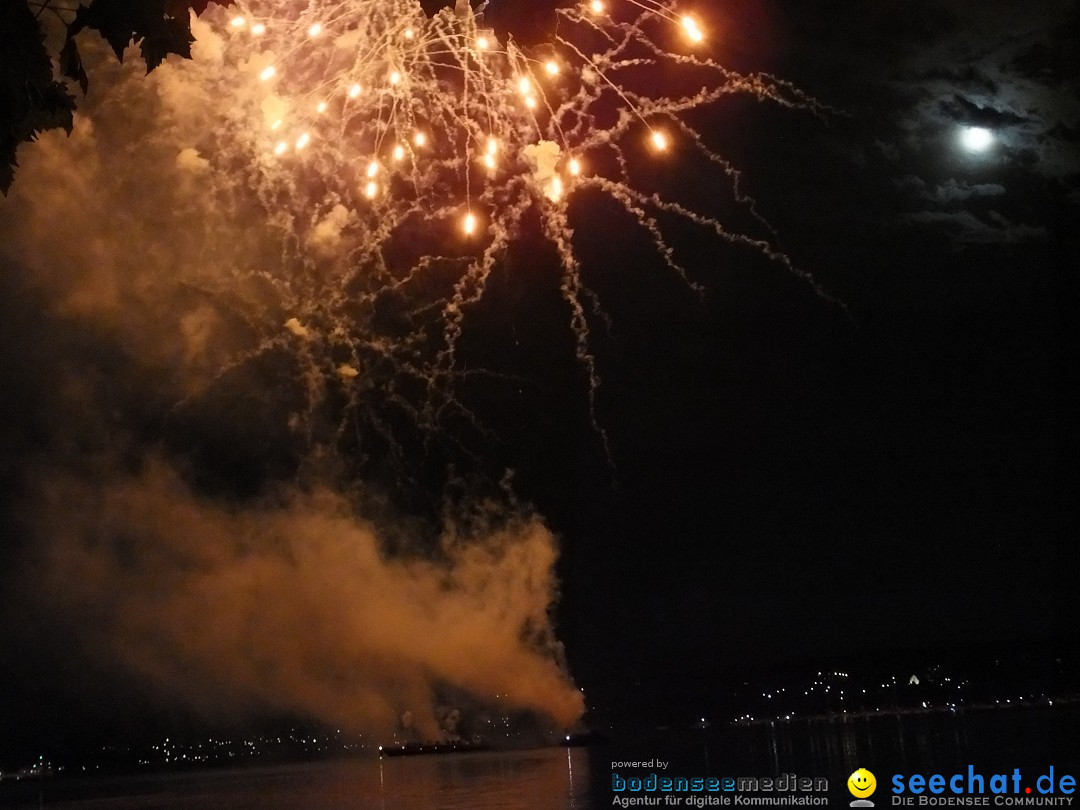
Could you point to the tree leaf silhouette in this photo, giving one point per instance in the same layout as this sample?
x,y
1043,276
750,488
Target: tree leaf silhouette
x,y
32,100
71,65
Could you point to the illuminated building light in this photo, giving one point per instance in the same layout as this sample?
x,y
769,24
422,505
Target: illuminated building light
x,y
314,30
354,91
303,141
659,140
469,223
268,73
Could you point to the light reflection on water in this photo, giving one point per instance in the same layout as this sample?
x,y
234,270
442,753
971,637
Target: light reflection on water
x,y
580,779
917,742
541,779
516,780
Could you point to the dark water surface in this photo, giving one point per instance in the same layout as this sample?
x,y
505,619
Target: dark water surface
x,y
991,741
540,779
990,738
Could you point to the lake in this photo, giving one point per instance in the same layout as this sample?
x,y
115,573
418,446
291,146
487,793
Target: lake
x,y
991,740
516,780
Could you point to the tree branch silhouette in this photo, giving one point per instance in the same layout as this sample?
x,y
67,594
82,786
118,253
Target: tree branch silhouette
x,y
34,93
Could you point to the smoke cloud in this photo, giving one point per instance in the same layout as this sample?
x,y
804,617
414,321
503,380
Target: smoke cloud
x,y
175,340
294,606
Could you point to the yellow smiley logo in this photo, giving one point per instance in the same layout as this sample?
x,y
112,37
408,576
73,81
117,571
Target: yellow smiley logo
x,y
861,783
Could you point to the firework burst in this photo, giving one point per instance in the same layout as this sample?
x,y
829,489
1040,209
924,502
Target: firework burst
x,y
402,153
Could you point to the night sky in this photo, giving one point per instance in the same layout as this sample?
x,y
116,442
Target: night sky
x,y
800,482
877,460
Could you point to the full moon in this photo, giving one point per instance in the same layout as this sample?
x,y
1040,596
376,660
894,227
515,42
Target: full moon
x,y
976,139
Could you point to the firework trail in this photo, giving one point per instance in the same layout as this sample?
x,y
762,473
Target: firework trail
x,y
402,155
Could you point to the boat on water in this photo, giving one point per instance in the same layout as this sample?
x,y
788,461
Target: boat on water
x,y
412,749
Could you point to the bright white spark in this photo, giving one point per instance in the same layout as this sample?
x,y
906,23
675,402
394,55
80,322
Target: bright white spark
x,y
692,30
